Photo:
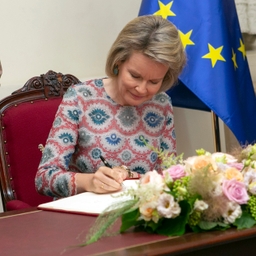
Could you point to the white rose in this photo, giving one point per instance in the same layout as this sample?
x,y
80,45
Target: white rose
x,y
200,205
233,212
167,207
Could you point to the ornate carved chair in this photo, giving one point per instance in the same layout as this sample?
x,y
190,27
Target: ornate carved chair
x,y
26,117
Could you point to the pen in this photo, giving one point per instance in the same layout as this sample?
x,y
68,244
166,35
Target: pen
x,y
105,162
110,166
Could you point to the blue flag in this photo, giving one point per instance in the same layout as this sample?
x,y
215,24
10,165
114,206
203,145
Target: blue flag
x,y
217,70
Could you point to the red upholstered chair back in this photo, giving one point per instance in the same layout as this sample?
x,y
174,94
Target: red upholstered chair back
x,y
26,118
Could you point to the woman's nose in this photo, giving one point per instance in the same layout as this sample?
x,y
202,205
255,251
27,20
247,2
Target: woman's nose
x,y
141,87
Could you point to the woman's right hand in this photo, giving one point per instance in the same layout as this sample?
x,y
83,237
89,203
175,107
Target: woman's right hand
x,y
104,180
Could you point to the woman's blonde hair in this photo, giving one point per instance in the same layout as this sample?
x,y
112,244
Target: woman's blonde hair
x,y
156,38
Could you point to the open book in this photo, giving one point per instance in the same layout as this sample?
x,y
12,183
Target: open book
x,y
88,203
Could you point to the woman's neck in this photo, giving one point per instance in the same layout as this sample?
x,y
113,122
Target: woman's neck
x,y
111,88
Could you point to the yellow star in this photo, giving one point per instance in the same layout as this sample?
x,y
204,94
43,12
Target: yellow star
x,y
242,48
185,38
165,10
234,59
214,54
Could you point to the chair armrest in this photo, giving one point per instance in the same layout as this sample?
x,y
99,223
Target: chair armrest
x,y
16,205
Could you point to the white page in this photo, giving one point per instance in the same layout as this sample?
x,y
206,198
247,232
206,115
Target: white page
x,y
88,202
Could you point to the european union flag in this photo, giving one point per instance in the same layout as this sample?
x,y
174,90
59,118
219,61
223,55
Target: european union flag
x,y
217,69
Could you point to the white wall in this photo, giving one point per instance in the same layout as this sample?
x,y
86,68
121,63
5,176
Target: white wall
x,y
63,35
194,131
251,56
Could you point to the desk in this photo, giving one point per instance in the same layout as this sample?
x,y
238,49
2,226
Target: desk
x,y
36,232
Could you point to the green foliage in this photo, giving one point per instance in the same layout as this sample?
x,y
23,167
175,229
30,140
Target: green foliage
x,y
176,226
106,220
200,152
245,221
207,225
166,158
222,159
165,226
179,188
194,218
129,219
210,225
151,226
252,206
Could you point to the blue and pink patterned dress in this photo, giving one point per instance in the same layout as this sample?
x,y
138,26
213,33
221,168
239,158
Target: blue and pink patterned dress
x,y
89,123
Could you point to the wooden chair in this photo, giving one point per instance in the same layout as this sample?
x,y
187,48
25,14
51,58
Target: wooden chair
x,y
26,117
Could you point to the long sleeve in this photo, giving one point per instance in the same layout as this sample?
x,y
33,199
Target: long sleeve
x,y
53,178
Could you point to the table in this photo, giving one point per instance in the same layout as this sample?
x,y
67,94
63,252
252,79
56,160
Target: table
x,y
37,232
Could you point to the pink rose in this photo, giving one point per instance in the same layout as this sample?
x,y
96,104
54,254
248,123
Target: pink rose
x,y
238,166
235,191
176,171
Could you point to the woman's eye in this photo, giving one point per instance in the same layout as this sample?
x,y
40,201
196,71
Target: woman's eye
x,y
154,82
134,76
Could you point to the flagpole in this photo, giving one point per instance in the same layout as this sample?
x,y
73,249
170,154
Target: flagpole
x,y
216,132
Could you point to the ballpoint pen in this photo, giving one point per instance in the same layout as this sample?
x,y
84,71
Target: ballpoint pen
x,y
110,166
105,162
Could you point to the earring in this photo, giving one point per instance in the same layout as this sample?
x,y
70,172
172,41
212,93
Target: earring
x,y
116,71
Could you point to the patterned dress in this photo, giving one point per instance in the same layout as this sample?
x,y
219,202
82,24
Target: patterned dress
x,y
89,123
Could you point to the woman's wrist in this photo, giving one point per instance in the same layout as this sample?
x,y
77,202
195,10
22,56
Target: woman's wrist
x,y
83,182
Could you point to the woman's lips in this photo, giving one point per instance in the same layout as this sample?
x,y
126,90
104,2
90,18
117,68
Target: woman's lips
x,y
137,97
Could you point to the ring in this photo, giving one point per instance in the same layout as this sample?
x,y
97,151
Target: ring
x,y
129,172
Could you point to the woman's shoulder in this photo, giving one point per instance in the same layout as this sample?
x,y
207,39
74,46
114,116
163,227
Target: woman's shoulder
x,y
89,88
91,83
162,99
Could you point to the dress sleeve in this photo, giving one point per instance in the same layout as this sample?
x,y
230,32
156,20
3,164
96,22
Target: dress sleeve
x,y
53,177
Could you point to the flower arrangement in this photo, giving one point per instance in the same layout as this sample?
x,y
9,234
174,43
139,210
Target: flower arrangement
x,y
203,192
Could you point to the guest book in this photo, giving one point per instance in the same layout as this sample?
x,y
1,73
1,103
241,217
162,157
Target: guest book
x,y
89,203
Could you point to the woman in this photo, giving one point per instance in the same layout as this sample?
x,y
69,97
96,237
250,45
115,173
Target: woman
x,y
114,116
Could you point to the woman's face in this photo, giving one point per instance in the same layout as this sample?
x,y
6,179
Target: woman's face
x,y
139,79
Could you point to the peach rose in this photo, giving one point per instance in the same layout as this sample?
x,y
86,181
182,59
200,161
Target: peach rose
x,y
147,211
198,162
233,173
